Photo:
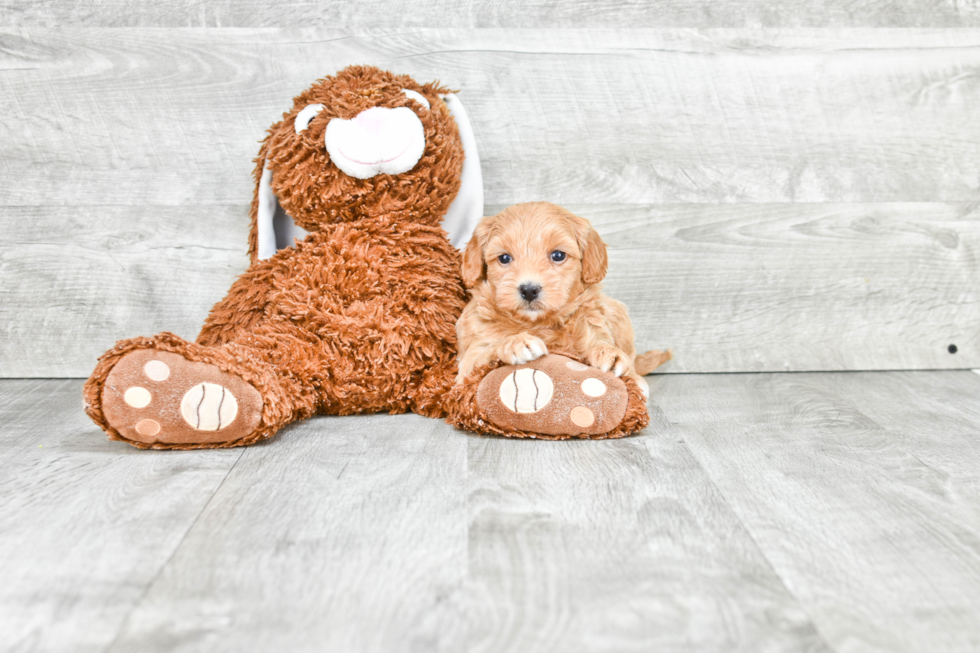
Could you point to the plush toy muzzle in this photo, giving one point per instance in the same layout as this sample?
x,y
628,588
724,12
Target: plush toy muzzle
x,y
375,141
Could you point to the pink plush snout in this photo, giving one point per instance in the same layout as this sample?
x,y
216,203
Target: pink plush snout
x,y
374,121
376,141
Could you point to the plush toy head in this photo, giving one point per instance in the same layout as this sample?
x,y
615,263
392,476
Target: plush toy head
x,y
363,144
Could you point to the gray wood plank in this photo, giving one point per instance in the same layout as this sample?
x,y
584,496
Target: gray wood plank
x,y
73,280
341,534
125,164
85,524
142,116
616,546
871,526
934,417
727,287
758,512
491,13
796,287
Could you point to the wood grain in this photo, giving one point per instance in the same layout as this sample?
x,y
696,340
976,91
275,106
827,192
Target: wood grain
x,y
797,199
73,280
796,512
911,405
486,13
85,524
872,525
341,534
795,287
615,546
141,116
784,287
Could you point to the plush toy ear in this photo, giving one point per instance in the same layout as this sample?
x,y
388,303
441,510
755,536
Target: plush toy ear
x,y
274,229
595,260
473,270
467,208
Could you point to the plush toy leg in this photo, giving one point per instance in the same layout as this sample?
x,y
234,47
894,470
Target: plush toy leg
x,y
554,397
166,393
430,397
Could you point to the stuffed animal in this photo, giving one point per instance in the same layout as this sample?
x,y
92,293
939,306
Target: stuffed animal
x,y
353,292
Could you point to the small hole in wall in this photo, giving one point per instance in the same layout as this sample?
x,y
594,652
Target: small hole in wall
x,y
951,349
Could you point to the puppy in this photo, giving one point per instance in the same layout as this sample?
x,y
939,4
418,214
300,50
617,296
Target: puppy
x,y
533,271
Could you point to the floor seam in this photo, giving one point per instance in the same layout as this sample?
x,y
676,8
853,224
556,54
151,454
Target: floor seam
x,y
755,543
166,563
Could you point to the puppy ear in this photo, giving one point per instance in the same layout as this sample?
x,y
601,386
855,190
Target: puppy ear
x,y
474,270
595,260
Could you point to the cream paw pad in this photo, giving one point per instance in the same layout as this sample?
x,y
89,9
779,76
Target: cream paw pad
x,y
156,396
553,395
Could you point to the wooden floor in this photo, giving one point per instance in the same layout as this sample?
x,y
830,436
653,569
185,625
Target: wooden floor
x,y
758,512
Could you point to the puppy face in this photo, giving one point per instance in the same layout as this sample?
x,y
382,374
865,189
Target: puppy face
x,y
535,257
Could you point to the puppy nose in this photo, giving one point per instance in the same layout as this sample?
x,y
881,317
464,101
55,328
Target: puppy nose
x,y
529,291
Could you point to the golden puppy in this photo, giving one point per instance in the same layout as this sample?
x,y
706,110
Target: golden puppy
x,y
533,271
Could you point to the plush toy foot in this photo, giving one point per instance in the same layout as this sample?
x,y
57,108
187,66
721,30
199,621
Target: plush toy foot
x,y
158,397
555,396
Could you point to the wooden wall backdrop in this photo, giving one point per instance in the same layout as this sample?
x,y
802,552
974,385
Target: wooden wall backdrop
x,y
783,187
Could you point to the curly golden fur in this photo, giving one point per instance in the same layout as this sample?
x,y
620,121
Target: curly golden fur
x,y
534,273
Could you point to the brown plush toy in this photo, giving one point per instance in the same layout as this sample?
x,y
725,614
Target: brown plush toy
x,y
359,315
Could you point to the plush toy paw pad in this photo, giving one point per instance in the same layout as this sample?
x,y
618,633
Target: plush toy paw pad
x,y
156,370
553,395
160,397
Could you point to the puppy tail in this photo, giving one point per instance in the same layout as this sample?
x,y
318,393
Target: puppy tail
x,y
648,362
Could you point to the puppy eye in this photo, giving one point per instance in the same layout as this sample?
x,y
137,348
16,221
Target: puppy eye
x,y
306,116
504,259
558,256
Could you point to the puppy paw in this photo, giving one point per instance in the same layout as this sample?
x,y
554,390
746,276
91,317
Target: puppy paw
x,y
609,359
522,348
